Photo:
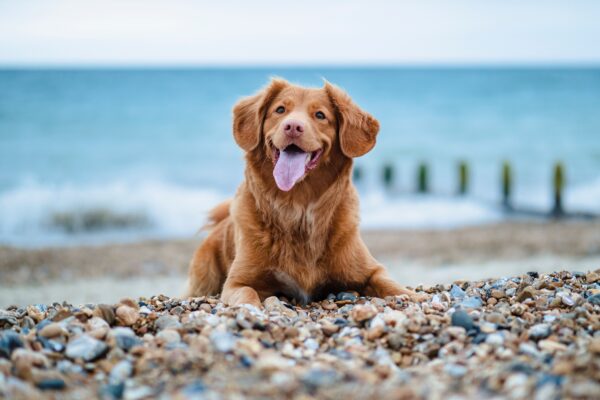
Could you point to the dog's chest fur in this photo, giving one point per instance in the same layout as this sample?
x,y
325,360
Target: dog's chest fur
x,y
298,239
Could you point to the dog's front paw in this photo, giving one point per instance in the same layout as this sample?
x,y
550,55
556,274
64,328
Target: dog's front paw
x,y
414,297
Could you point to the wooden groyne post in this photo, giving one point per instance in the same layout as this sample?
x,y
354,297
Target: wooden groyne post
x,y
388,176
463,178
558,183
507,182
423,178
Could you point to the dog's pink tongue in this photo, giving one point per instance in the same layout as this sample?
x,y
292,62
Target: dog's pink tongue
x,y
289,168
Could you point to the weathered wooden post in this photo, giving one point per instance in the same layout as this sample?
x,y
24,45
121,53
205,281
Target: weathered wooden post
x,y
423,178
356,174
463,178
507,182
388,176
558,186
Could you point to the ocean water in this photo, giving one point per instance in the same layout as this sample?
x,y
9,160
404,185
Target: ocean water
x,y
110,155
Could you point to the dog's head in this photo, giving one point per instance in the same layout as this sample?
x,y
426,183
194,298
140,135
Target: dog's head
x,y
302,129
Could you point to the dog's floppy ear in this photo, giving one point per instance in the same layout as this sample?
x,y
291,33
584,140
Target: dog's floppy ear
x,y
249,115
357,128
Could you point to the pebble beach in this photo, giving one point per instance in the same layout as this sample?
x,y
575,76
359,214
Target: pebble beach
x,y
533,336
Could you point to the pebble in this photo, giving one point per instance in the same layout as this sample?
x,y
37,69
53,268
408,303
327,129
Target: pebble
x,y
127,315
51,330
462,319
9,341
51,384
539,331
121,371
86,348
457,292
167,321
223,341
363,312
169,336
471,302
594,300
346,296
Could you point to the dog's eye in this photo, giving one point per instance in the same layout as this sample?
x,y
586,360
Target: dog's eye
x,y
280,110
320,115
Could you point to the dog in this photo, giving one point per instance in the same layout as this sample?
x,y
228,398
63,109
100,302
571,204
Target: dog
x,y
292,228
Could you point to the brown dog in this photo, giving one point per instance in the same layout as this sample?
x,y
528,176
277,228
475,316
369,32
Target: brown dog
x,y
292,227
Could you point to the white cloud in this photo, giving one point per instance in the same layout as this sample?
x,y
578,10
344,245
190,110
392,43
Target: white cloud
x,y
307,32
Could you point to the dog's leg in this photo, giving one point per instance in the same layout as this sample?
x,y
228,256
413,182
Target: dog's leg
x,y
206,276
246,284
380,284
235,295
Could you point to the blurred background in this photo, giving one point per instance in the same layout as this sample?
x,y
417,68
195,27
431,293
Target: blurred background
x,y
115,128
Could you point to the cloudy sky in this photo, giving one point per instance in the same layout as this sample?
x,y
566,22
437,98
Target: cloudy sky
x,y
238,32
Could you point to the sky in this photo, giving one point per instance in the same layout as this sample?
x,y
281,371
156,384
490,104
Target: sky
x,y
307,32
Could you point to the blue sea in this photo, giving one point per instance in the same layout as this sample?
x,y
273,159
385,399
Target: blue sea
x,y
90,156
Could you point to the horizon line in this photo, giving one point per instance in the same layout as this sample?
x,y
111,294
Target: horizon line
x,y
349,65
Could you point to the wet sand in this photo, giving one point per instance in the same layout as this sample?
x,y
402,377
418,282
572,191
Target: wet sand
x,y
107,273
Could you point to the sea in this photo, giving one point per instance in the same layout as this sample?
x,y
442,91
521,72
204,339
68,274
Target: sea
x,y
90,156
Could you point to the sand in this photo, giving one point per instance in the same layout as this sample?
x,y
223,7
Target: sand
x,y
106,273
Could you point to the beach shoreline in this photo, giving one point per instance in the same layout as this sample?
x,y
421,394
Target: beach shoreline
x,y
105,273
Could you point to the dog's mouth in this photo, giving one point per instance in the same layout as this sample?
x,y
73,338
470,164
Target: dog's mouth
x,y
292,163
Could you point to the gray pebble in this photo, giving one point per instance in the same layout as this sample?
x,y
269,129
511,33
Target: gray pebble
x,y
539,331
167,321
595,299
457,292
9,340
461,318
345,296
223,341
86,348
121,371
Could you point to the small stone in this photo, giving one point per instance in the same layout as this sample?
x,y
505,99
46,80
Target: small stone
x,y
539,331
125,338
595,299
462,319
9,341
317,377
24,360
527,293
592,277
346,296
594,346
329,328
498,294
457,292
121,371
471,302
51,384
113,391
551,346
51,330
272,362
105,312
363,312
169,336
223,341
455,370
167,321
86,347
127,315
273,304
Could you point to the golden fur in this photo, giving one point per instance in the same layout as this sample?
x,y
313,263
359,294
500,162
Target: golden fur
x,y
303,243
